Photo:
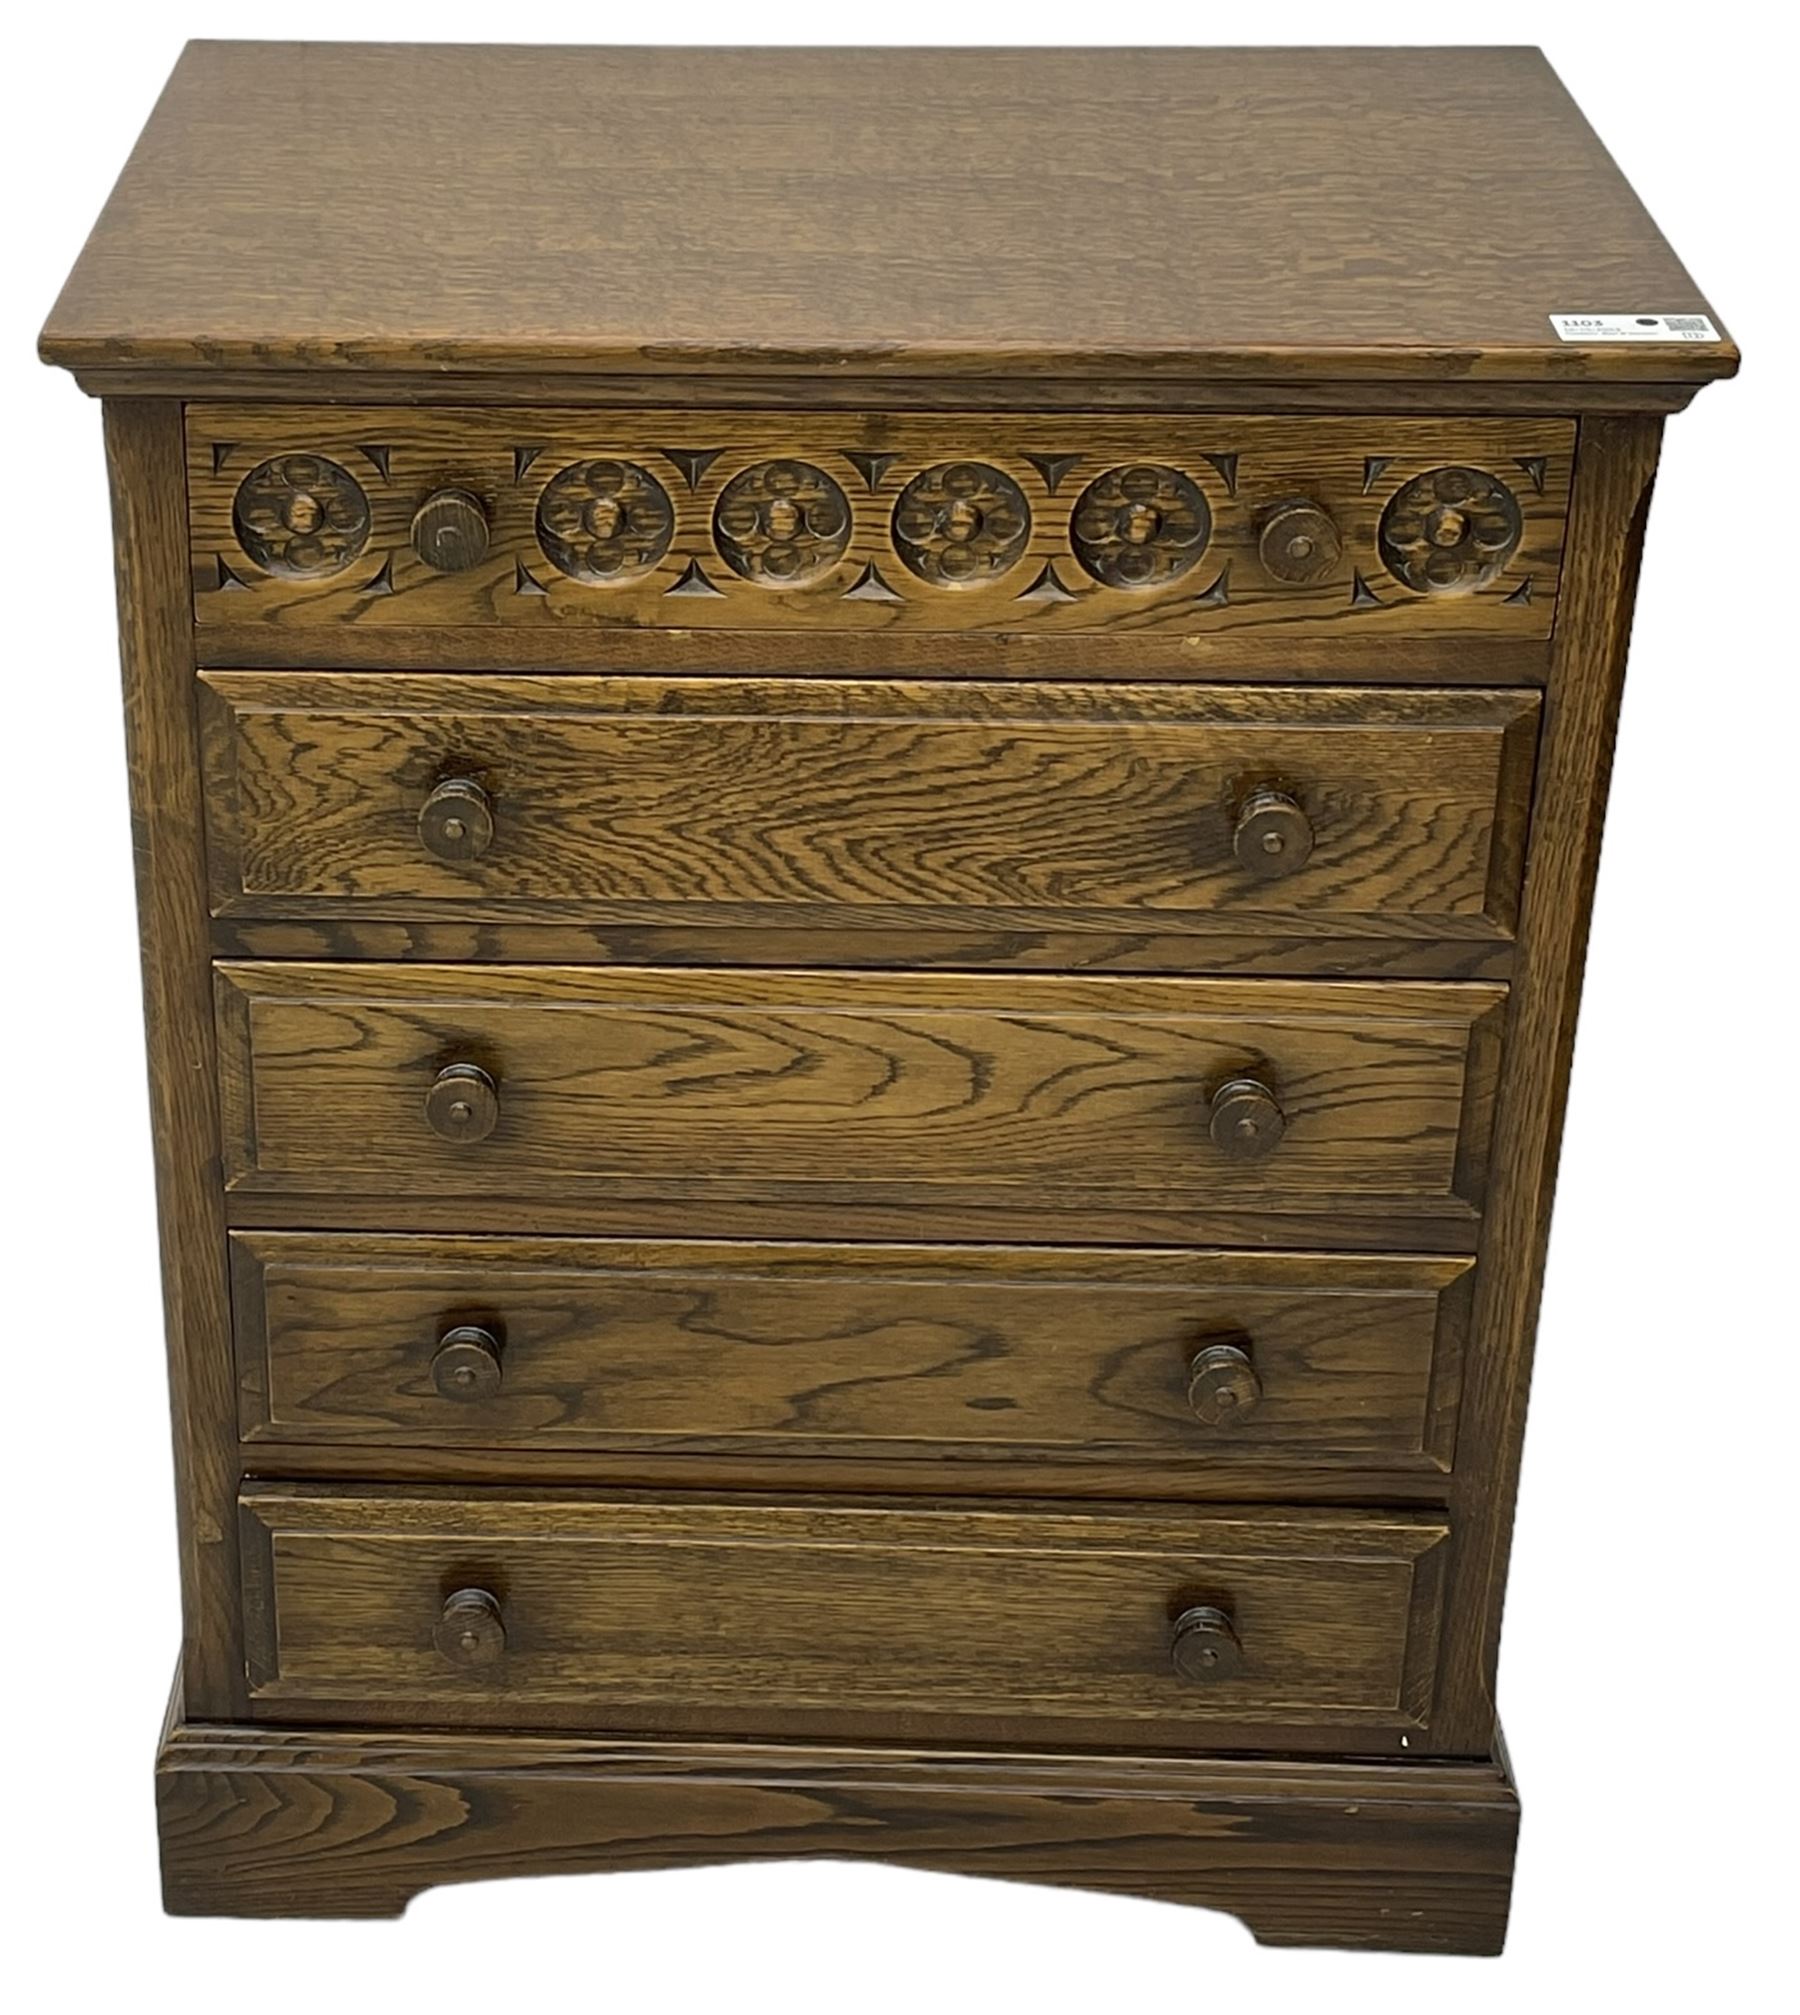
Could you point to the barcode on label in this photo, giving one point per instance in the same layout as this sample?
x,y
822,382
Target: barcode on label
x,y
1634,328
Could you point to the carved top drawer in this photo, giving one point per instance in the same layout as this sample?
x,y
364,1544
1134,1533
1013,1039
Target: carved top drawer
x,y
861,522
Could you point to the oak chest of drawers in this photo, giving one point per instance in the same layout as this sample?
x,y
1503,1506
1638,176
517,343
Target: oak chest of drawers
x,y
864,852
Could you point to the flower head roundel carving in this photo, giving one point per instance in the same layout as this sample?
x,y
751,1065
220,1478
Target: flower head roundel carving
x,y
301,515
1449,531
604,521
960,524
782,524
1139,527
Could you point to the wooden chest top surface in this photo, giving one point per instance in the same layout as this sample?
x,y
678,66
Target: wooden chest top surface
x,y
1216,215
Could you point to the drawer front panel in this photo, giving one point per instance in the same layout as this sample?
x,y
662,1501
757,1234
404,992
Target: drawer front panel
x,y
669,1613
564,1081
857,522
844,804
1194,1358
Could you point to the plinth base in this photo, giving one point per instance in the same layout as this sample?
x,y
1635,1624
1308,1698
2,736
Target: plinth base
x,y
272,1822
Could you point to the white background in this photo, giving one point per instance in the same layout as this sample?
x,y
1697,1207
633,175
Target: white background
x,y
1649,1677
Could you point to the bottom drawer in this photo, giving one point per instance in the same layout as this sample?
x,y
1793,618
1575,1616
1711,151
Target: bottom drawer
x,y
642,1613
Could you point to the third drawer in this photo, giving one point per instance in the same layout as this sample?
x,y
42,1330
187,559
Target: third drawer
x,y
1181,1359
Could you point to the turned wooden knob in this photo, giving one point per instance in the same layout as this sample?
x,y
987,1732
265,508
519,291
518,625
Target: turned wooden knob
x,y
456,822
1299,541
1247,1120
470,1630
450,531
467,1363
1223,1387
1273,836
1203,1644
463,1103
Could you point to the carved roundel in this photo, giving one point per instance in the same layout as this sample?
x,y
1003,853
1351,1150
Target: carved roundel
x,y
301,515
604,521
782,524
960,524
1140,526
1449,531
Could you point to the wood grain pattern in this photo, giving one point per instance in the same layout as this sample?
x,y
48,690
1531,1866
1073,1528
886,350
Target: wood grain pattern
x,y
836,1617
677,470
1223,953
1047,1091
898,1352
1442,659
988,392
1399,1856
926,1244
144,465
1216,214
1242,1482
836,805
1618,470
1374,1224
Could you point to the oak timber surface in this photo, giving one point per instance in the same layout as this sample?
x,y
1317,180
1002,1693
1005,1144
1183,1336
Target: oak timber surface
x,y
820,1349
870,803
598,519
678,1280
1278,214
1406,1856
832,1616
955,1089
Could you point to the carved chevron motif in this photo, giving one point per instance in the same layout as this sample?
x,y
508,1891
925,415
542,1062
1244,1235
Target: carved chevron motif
x,y
694,581
1536,468
1053,468
870,587
871,468
692,462
1047,587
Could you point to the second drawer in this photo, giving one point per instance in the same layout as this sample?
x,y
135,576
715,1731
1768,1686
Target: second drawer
x,y
1184,1358
1053,1096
